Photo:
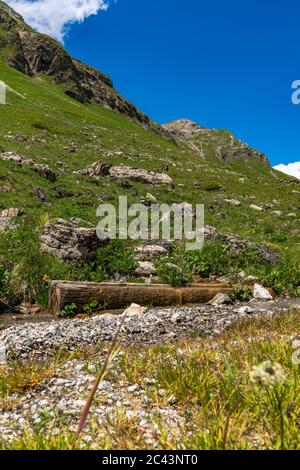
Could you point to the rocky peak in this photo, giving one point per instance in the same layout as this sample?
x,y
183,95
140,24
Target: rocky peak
x,y
184,127
9,17
222,143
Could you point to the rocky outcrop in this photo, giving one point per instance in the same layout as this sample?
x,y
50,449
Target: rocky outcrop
x,y
237,245
41,168
126,172
145,269
70,243
150,252
138,174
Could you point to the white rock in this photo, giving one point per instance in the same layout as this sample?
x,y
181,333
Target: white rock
x,y
145,268
256,208
277,213
221,299
260,293
245,310
3,361
135,309
233,202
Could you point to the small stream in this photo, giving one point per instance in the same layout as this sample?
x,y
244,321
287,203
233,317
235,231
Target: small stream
x,y
10,319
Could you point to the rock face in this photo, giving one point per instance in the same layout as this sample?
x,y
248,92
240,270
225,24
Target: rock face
x,y
237,244
138,174
68,242
126,172
36,54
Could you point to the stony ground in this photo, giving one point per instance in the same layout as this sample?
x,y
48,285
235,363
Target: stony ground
x,y
41,340
51,395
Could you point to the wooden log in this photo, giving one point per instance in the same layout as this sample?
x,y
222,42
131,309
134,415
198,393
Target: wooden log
x,y
114,296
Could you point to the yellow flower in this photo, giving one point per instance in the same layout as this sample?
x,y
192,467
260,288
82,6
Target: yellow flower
x,y
46,278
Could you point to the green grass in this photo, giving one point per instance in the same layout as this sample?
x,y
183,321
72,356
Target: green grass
x,y
51,122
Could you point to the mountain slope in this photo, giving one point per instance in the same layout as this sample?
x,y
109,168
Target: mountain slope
x,y
38,55
44,124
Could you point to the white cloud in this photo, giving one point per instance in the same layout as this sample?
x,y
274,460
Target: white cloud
x,y
52,17
292,169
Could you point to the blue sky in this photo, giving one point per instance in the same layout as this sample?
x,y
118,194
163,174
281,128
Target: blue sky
x,y
225,64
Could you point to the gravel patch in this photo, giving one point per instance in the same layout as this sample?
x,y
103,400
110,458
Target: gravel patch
x,y
41,340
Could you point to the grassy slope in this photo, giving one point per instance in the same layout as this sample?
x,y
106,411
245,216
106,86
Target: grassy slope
x,y
55,121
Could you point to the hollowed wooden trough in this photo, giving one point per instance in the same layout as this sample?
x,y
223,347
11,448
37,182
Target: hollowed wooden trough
x,y
115,296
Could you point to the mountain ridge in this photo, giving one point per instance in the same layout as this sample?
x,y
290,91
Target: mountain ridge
x,y
36,54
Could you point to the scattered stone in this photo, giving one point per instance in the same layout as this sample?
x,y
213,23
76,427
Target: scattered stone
x,y
277,213
256,208
261,293
233,202
68,242
221,299
145,268
245,310
43,169
148,200
149,252
134,309
40,195
20,137
96,169
8,219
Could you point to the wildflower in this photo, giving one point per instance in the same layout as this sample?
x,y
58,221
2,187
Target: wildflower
x,y
267,374
296,357
296,344
45,278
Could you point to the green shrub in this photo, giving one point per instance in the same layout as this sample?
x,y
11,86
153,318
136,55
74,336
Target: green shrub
x,y
114,258
174,271
241,295
283,278
68,311
92,306
211,260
